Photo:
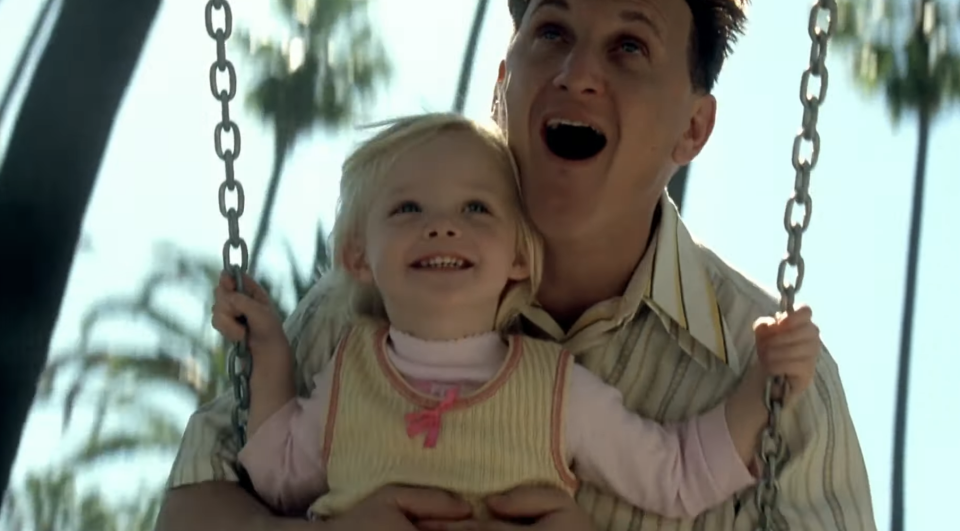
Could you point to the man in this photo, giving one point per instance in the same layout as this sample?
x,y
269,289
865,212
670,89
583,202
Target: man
x,y
603,100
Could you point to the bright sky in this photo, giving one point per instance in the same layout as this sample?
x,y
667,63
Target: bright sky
x,y
160,177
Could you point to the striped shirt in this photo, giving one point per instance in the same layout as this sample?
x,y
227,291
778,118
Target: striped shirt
x,y
674,343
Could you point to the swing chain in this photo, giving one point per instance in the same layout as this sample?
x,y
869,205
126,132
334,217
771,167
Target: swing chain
x,y
239,363
773,450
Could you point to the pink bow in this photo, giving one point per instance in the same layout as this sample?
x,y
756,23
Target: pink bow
x,y
428,420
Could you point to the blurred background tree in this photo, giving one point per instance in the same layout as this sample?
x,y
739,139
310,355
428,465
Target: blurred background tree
x,y
321,77
50,501
905,52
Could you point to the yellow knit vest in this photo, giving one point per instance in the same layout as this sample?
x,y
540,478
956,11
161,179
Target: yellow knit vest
x,y
507,434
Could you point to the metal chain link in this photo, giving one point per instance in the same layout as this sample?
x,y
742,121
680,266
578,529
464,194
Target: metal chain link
x,y
239,363
772,449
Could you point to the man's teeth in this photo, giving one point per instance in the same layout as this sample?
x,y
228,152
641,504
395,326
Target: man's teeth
x,y
553,123
442,262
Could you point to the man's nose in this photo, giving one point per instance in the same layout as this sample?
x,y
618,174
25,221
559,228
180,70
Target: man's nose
x,y
580,72
441,227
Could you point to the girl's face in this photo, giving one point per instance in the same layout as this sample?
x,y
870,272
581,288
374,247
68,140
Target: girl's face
x,y
441,235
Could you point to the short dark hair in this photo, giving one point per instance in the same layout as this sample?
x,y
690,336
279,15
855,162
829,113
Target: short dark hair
x,y
716,26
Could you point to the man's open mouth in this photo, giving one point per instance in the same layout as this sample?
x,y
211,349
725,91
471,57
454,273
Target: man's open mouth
x,y
442,263
573,140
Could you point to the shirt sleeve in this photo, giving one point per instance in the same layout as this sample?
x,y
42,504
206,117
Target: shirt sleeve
x,y
823,484
209,447
283,456
677,470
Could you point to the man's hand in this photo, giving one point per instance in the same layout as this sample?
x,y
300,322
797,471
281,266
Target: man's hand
x,y
531,508
395,508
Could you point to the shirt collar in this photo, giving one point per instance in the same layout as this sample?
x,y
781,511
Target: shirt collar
x,y
476,350
673,282
679,287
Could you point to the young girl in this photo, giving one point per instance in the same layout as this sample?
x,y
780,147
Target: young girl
x,y
429,387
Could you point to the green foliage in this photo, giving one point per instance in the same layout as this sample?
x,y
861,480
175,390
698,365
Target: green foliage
x,y
51,501
339,67
321,76
894,55
186,357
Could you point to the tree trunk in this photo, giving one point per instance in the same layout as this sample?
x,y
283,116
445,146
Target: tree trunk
x,y
466,68
906,326
677,187
24,57
46,179
280,151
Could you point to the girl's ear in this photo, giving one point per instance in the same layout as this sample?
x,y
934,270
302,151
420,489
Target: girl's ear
x,y
520,270
354,261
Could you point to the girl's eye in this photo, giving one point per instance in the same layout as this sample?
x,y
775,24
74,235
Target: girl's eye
x,y
476,207
407,207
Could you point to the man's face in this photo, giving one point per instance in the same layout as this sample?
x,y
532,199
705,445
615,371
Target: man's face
x,y
600,110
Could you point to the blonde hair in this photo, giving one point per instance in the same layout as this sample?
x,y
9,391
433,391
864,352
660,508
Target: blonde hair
x,y
363,175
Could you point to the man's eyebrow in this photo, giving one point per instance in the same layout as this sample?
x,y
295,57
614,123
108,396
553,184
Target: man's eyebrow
x,y
559,4
634,17
629,16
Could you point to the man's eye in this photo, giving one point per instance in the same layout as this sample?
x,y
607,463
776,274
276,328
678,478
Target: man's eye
x,y
550,32
632,46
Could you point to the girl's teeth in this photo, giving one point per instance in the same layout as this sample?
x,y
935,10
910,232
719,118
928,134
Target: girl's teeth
x,y
442,262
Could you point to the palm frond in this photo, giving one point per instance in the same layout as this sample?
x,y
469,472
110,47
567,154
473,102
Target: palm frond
x,y
343,66
326,90
49,500
327,15
132,368
302,282
117,379
118,446
947,72
266,55
145,427
892,57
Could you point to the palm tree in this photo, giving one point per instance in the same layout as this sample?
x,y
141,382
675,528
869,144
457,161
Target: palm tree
x,y
188,357
918,73
50,501
319,78
466,67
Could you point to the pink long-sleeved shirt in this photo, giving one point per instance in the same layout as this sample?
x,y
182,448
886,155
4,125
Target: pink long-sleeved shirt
x,y
676,470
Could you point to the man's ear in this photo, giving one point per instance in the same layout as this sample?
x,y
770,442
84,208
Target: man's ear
x,y
354,261
698,131
495,103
